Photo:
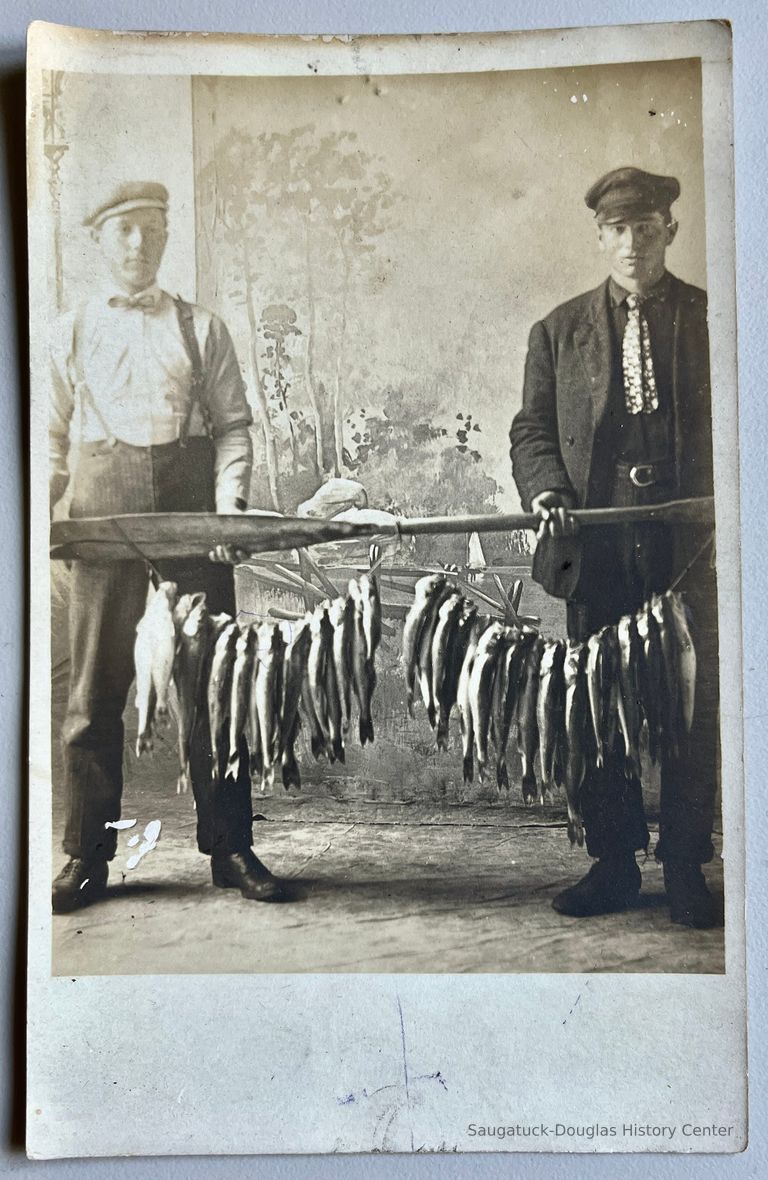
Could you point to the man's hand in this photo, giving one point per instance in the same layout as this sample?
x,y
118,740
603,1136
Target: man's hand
x,y
554,510
229,554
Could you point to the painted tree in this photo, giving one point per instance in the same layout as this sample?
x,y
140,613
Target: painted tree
x,y
232,177
278,325
326,200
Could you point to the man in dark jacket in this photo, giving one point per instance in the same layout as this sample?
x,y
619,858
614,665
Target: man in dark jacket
x,y
616,411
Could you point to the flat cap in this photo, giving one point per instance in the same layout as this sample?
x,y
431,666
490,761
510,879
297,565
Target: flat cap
x,y
127,197
630,192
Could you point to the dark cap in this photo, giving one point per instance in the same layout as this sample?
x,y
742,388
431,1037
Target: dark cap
x,y
127,197
630,192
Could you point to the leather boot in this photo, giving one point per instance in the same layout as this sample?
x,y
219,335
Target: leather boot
x,y
78,884
244,871
690,902
612,884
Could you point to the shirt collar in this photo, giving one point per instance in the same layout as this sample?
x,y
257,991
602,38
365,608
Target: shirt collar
x,y
153,292
618,293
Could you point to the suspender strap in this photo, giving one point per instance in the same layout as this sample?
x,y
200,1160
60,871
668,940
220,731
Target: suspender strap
x,y
81,386
185,316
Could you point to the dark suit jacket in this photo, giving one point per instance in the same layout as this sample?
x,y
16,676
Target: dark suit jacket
x,y
556,435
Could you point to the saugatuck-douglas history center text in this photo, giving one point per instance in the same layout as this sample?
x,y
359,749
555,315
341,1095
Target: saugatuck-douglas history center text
x,y
600,1131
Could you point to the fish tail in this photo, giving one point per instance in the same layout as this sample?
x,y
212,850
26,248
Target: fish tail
x,y
575,830
529,789
291,773
366,730
144,743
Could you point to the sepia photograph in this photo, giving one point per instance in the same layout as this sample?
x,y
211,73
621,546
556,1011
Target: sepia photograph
x,y
383,577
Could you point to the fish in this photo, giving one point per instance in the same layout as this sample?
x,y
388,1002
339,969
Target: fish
x,y
448,651
610,685
363,671
506,692
193,633
424,592
184,606
242,680
603,690
662,612
424,653
576,735
630,713
219,687
651,677
369,596
481,690
316,735
476,628
333,696
550,712
342,616
252,725
269,697
153,653
295,657
320,651
443,637
686,657
509,636
527,726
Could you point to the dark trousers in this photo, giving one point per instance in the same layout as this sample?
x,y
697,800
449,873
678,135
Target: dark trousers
x,y
622,568
106,603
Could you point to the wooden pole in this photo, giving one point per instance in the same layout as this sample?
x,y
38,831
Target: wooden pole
x,y
180,534
700,511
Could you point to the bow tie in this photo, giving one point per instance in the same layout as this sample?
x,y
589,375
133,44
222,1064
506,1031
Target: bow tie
x,y
146,301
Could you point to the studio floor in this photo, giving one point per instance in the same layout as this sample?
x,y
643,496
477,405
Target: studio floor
x,y
375,887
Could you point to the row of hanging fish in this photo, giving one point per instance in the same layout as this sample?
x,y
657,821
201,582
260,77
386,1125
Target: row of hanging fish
x,y
258,682
570,704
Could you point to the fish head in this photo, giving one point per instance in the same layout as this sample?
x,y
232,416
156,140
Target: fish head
x,y
336,611
170,591
195,621
451,608
573,660
533,663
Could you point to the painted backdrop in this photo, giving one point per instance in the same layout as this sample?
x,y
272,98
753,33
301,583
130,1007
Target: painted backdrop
x,y
381,246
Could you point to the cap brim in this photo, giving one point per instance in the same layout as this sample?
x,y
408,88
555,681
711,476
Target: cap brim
x,y
97,219
624,212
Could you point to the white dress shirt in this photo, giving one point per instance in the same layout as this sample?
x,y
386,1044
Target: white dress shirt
x,y
130,354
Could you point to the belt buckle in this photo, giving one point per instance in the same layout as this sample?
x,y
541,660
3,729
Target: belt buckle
x,y
642,475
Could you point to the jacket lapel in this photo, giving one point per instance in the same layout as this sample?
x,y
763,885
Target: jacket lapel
x,y
593,340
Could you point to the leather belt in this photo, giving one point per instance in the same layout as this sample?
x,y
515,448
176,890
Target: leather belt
x,y
645,475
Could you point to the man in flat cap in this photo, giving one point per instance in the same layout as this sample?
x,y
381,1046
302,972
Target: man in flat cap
x,y
149,388
616,411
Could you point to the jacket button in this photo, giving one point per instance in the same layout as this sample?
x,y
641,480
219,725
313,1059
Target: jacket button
x,y
570,440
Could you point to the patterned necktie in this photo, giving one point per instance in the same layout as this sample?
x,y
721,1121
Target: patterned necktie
x,y
145,302
640,391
